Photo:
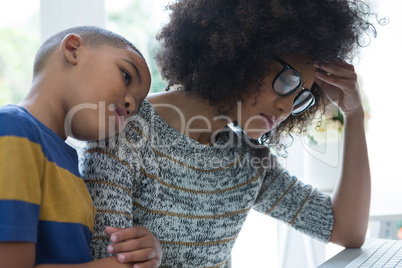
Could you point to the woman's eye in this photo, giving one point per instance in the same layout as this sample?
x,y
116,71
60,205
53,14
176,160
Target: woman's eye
x,y
127,78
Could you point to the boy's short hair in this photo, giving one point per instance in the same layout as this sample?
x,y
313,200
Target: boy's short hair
x,y
92,36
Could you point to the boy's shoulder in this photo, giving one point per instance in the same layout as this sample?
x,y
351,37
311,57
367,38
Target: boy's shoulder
x,y
13,110
13,114
17,121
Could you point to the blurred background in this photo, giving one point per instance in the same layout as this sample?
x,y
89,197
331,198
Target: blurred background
x,y
25,24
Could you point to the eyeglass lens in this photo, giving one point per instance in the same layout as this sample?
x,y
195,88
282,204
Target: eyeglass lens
x,y
303,101
287,82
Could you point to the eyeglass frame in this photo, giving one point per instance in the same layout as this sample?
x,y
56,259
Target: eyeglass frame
x,y
287,66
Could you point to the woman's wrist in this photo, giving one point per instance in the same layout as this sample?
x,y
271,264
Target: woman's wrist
x,y
355,116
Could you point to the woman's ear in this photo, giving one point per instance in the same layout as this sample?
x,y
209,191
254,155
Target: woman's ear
x,y
69,47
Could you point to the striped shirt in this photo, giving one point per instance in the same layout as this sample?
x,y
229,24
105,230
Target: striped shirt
x,y
43,199
194,198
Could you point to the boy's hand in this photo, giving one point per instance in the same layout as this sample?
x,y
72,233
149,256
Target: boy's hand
x,y
135,244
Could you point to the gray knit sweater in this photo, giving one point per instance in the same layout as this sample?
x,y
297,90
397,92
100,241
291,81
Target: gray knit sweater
x,y
193,198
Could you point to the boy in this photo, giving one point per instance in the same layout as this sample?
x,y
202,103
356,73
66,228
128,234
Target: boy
x,y
86,82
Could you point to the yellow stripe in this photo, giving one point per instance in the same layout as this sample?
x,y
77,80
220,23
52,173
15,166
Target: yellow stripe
x,y
280,198
20,158
216,266
200,169
115,185
269,184
298,211
63,197
179,243
102,151
155,177
208,243
182,163
114,212
66,198
180,215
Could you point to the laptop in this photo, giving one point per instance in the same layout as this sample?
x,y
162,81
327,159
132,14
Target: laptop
x,y
383,253
375,253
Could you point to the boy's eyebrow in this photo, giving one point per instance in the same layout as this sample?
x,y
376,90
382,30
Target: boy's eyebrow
x,y
135,68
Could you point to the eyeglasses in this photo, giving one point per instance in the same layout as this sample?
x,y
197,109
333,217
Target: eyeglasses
x,y
287,82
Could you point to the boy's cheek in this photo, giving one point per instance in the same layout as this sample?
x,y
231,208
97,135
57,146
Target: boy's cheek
x,y
88,124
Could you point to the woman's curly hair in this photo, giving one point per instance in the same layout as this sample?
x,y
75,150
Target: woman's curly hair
x,y
221,50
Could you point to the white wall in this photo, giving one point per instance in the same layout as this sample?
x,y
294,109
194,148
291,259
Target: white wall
x,y
380,68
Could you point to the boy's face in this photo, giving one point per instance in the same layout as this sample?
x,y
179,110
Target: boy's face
x,y
110,85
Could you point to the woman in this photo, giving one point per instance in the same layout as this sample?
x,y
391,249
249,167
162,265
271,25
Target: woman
x,y
264,68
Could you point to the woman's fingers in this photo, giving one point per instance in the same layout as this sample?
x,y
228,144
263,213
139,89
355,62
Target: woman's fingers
x,y
338,68
334,93
341,82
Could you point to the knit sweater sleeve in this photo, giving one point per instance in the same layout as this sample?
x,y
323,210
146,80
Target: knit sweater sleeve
x,y
303,207
109,180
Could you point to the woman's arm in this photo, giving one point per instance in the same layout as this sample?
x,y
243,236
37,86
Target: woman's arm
x,y
351,198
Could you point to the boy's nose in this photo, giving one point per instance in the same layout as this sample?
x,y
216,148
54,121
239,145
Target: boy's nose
x,y
129,105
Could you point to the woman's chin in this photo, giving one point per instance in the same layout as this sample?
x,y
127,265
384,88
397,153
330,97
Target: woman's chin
x,y
254,135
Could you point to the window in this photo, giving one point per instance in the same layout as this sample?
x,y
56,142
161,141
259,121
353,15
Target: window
x,y
139,22
19,40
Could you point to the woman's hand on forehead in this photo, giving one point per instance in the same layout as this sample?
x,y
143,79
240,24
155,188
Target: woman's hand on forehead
x,y
339,81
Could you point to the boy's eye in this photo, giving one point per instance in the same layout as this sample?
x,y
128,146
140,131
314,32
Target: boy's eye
x,y
127,78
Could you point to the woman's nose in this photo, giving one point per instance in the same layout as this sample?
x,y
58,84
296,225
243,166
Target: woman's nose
x,y
285,105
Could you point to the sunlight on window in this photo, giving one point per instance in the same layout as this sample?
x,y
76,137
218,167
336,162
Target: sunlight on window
x,y
19,40
380,69
139,22
18,13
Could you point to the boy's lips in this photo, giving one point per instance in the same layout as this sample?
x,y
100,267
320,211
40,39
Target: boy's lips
x,y
270,121
121,116
121,112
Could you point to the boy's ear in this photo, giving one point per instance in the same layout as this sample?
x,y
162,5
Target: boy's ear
x,y
69,47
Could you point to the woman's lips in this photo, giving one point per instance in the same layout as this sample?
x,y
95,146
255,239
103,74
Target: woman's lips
x,y
270,121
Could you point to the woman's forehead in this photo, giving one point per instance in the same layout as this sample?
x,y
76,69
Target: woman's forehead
x,y
304,66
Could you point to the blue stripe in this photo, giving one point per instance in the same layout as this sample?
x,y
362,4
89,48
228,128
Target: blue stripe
x,y
17,121
18,221
63,243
